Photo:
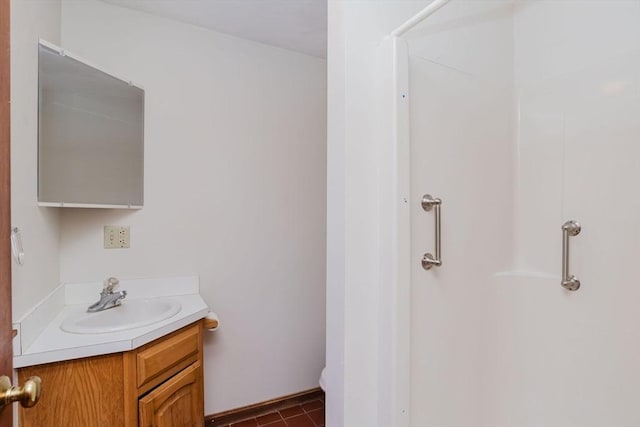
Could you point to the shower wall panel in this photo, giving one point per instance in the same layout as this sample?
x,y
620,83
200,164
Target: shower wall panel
x,y
572,354
525,114
461,103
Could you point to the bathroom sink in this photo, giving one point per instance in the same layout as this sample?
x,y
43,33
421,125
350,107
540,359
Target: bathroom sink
x,y
131,314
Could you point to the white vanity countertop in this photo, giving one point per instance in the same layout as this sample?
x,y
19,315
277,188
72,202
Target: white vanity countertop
x,y
42,341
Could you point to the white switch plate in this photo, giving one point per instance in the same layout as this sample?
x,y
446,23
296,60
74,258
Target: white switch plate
x,y
116,237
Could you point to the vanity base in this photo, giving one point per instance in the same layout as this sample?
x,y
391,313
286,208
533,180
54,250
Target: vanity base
x,y
143,387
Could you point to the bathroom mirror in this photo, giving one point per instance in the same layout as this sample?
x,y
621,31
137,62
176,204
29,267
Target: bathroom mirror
x,y
90,134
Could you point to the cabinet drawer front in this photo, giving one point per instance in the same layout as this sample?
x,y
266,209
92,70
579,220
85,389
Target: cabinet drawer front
x,y
164,359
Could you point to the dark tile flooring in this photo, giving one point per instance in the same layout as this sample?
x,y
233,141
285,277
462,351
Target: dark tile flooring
x,y
307,414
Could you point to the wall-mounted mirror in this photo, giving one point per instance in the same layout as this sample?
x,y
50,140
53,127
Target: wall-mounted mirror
x,y
90,134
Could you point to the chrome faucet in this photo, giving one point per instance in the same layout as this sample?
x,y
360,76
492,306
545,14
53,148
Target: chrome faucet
x,y
108,298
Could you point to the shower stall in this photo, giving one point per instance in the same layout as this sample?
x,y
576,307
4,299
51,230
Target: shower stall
x,y
517,129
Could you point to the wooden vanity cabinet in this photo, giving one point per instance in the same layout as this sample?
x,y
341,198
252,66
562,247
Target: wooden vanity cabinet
x,y
157,385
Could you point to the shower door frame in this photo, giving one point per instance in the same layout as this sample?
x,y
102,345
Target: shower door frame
x,y
397,167
399,173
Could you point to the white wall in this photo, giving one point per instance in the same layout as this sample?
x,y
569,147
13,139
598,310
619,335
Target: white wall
x,y
234,191
30,20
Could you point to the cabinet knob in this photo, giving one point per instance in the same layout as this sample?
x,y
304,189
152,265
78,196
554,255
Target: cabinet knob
x,y
28,395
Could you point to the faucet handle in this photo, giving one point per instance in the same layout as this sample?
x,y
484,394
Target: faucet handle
x,y
110,284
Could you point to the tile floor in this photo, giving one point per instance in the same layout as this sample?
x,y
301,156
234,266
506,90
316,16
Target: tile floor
x,y
308,414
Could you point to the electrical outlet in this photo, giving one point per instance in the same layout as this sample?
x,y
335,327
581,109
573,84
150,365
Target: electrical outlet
x,y
116,237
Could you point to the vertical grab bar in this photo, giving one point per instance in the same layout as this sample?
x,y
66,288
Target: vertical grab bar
x,y
569,229
429,260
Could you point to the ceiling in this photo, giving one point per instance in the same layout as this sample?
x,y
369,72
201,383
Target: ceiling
x,y
299,25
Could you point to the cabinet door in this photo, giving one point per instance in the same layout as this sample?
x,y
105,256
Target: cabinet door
x,y
176,403
77,393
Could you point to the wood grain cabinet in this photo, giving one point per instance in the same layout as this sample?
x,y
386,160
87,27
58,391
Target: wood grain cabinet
x,y
157,385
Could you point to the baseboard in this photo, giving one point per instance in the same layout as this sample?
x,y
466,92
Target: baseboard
x,y
257,409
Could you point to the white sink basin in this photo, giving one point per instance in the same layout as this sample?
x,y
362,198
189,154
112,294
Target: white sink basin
x,y
131,314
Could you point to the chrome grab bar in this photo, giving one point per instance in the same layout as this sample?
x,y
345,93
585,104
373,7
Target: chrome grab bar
x,y
429,260
569,229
